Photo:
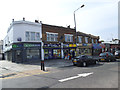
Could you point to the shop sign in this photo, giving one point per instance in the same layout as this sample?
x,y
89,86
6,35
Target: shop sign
x,y
84,44
69,45
52,45
96,46
16,45
32,45
65,45
89,45
72,45
102,45
79,45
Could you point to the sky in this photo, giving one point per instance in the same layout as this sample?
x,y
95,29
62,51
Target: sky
x,y
97,17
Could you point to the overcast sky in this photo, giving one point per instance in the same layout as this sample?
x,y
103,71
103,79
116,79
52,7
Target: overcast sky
x,y
98,17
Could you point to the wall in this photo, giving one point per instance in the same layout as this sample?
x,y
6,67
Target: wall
x,y
21,28
17,29
57,29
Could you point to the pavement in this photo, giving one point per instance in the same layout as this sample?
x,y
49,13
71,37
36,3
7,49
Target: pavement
x,y
8,67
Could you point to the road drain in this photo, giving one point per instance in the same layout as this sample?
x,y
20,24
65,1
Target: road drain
x,y
9,75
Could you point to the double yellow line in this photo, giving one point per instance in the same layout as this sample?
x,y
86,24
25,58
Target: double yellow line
x,y
22,74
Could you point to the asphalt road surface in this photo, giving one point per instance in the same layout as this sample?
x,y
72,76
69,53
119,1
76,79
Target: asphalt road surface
x,y
102,75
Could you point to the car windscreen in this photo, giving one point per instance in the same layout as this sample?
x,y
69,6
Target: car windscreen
x,y
81,56
102,54
78,57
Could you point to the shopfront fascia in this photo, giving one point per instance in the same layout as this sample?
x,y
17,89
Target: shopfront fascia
x,y
23,52
52,51
84,49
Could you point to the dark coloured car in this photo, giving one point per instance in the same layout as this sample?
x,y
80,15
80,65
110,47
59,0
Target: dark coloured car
x,y
84,60
107,56
117,54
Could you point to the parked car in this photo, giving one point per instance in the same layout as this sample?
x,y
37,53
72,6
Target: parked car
x,y
117,54
107,56
84,60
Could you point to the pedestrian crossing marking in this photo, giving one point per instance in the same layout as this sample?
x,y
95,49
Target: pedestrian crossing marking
x,y
24,74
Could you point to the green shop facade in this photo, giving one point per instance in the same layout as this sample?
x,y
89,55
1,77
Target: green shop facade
x,y
25,52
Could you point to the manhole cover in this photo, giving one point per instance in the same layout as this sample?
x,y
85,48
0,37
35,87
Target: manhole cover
x,y
9,75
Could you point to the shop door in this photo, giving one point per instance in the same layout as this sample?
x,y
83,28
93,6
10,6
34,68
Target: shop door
x,y
18,56
50,53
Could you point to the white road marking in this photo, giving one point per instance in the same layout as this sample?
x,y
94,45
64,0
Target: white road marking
x,y
79,75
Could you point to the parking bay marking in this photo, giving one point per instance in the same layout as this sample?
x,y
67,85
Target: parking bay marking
x,y
79,75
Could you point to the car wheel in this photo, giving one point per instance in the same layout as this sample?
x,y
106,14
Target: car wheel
x,y
84,64
109,60
78,65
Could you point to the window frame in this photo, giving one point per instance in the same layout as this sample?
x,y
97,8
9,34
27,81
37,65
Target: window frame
x,y
86,39
52,37
68,37
80,39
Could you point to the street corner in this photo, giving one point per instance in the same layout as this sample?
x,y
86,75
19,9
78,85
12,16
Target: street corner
x,y
23,74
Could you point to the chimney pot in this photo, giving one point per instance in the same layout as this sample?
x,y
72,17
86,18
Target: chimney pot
x,y
12,20
23,19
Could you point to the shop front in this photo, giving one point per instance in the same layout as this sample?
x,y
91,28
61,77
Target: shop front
x,y
25,52
52,51
69,50
97,48
84,49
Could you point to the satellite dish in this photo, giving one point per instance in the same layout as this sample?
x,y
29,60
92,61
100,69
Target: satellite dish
x,y
19,39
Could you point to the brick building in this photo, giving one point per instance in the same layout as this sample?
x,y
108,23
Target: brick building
x,y
86,44
57,41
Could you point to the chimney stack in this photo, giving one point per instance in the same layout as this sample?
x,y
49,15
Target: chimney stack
x,y
23,19
36,21
69,26
12,20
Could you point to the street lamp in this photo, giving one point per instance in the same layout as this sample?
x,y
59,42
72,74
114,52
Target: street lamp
x,y
75,22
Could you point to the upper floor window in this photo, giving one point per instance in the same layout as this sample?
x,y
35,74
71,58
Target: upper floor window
x,y
86,39
68,38
92,40
37,36
52,36
80,39
32,36
27,36
96,41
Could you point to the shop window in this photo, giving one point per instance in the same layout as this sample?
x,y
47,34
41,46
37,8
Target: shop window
x,y
56,53
68,38
46,53
33,54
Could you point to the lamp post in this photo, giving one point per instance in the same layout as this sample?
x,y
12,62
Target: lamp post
x,y
75,22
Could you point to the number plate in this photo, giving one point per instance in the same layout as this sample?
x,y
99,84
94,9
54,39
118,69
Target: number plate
x,y
75,60
102,59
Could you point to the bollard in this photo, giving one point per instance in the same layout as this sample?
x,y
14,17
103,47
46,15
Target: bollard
x,y
42,65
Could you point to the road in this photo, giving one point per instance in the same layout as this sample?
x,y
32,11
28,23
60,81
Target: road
x,y
103,75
